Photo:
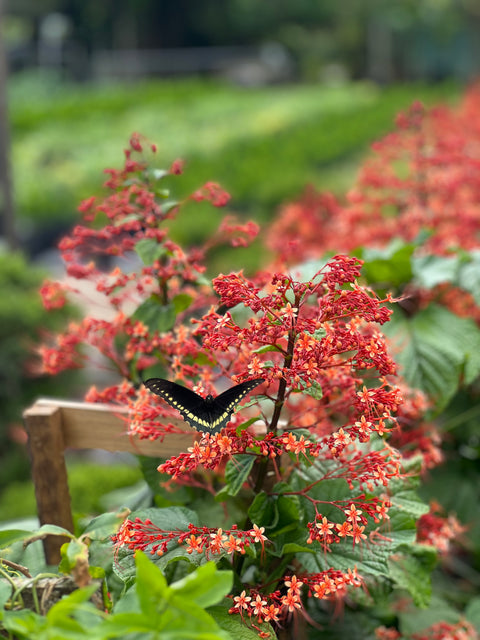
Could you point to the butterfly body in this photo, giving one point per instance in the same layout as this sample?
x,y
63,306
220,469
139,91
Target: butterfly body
x,y
210,414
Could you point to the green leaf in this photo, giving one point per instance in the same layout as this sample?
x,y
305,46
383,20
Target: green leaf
x,y
412,570
263,510
469,276
235,626
416,620
430,270
389,265
176,608
149,250
237,471
103,525
472,612
10,536
318,334
462,270
72,553
289,514
61,612
151,586
6,591
158,317
433,348
130,218
24,624
181,302
156,174
314,390
206,586
266,348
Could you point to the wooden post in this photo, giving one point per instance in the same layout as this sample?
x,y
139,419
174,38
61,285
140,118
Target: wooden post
x,y
49,474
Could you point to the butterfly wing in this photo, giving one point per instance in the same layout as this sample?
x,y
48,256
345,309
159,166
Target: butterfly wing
x,y
224,404
190,405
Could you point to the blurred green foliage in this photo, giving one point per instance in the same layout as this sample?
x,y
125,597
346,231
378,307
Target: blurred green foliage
x,y
89,484
22,319
262,144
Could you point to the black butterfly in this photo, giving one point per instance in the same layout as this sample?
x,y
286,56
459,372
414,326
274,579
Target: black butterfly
x,y
209,414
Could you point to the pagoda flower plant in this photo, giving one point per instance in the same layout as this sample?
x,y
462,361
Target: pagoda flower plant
x,y
296,507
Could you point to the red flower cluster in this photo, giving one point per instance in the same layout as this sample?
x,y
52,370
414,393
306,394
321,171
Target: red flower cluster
x,y
462,630
132,218
438,530
328,533
146,536
423,176
280,604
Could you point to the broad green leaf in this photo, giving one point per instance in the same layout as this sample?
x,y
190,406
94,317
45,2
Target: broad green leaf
x,y
103,525
409,502
294,548
263,510
237,471
72,553
67,606
412,570
149,250
179,607
289,514
234,625
266,348
390,265
403,491
315,390
10,536
472,612
24,624
181,302
151,586
416,620
158,317
206,586
433,348
6,591
469,276
431,270
462,270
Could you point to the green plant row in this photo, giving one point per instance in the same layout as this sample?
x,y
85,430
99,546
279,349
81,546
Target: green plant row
x,y
262,144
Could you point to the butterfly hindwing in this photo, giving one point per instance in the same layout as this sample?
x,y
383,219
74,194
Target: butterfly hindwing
x,y
225,403
210,414
189,404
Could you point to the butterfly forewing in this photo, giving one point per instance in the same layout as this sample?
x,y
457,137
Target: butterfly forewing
x,y
189,404
226,402
209,415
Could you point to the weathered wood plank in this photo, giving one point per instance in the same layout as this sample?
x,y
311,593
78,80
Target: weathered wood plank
x,y
102,426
